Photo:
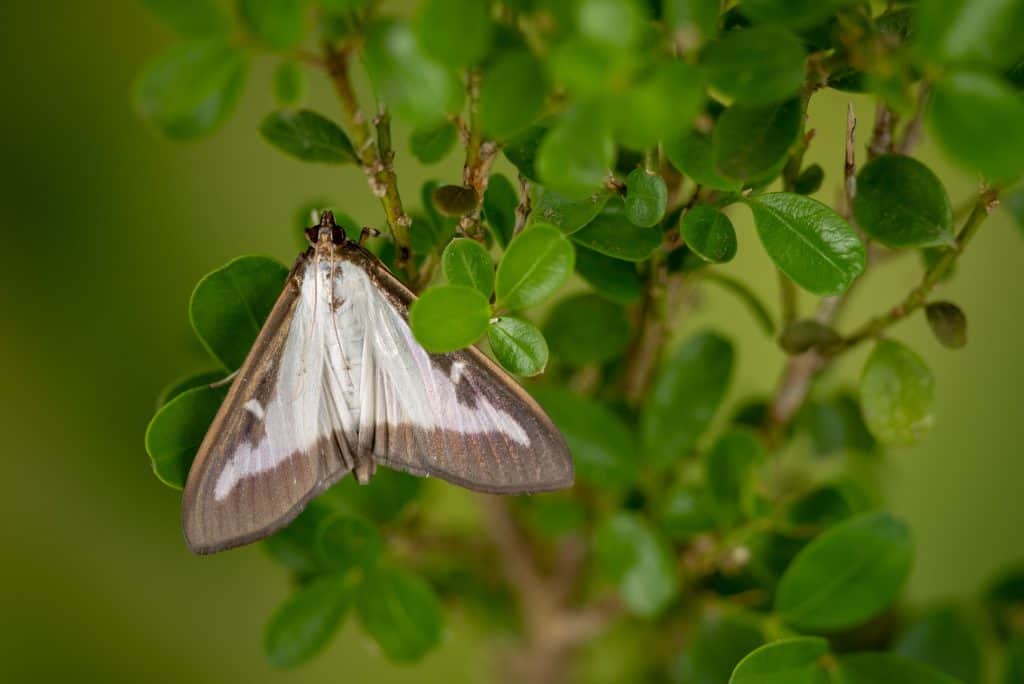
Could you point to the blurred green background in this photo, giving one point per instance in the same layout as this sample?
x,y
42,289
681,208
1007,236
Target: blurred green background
x,y
108,227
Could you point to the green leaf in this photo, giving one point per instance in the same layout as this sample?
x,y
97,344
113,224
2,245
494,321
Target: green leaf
x,y
401,612
896,394
846,576
697,20
612,234
432,231
789,661
387,495
587,328
685,513
837,424
660,107
431,144
692,154
280,24
229,305
512,94
519,347
901,203
578,153
685,396
635,558
190,89
756,66
416,88
795,13
948,323
176,431
566,213
290,85
307,136
182,385
454,32
729,474
555,517
611,23
306,621
809,181
709,233
343,541
887,668
449,317
500,201
983,32
466,262
454,200
809,242
613,278
805,334
537,262
946,641
751,143
828,505
194,19
1014,668
646,197
521,151
602,446
718,645
978,120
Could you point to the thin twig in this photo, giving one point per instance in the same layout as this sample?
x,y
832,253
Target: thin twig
x,y
523,206
480,156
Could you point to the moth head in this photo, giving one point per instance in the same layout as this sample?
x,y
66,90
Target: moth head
x,y
326,232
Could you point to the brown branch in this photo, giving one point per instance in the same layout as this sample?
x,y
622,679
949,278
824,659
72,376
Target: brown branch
x,y
523,206
881,137
480,156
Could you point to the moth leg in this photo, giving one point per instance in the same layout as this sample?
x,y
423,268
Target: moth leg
x,y
367,233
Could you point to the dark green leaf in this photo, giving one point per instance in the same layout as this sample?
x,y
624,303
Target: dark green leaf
x,y
757,65
566,213
1013,670
454,32
692,154
1004,598
948,323
518,346
454,200
646,197
449,317
176,431
466,262
389,493
521,151
587,328
729,474
186,383
896,394
796,13
280,24
945,640
634,557
191,88
685,396
432,143
790,661
289,84
293,546
555,516
807,333
828,505
848,575
660,107
513,93
229,305
401,612
901,203
985,32
344,541
194,19
603,449
612,234
809,242
750,143
709,233
719,643
697,20
979,120
538,262
615,279
305,622
887,668
500,201
577,155
685,513
307,136
416,88
809,181
837,424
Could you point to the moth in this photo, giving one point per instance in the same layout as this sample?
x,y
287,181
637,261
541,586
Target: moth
x,y
336,383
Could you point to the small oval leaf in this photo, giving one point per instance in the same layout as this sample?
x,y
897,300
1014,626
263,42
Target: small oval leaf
x,y
500,201
896,394
307,136
612,234
449,317
431,144
519,347
948,323
901,203
793,661
755,65
176,431
513,93
751,143
887,668
305,622
454,200
466,262
709,233
693,155
279,24
538,262
566,213
639,561
587,328
613,278
401,612
344,541
646,197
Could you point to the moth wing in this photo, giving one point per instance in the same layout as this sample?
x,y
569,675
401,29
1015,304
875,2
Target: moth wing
x,y
273,444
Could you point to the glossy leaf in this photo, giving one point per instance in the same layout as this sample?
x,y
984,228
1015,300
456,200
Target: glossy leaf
x,y
661,107
635,558
789,661
343,541
289,83
946,641
449,317
176,431
500,201
229,305
901,203
587,328
985,32
646,197
808,241
279,24
613,278
568,214
709,233
614,235
948,323
518,346
887,668
687,391
194,19
182,385
431,144
846,576
751,143
306,621
577,154
512,94
454,32
896,394
692,154
538,262
401,612
729,474
190,89
757,65
466,262
307,136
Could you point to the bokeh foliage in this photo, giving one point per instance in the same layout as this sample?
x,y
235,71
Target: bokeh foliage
x,y
635,128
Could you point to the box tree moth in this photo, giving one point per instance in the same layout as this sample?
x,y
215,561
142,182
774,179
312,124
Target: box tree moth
x,y
335,382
